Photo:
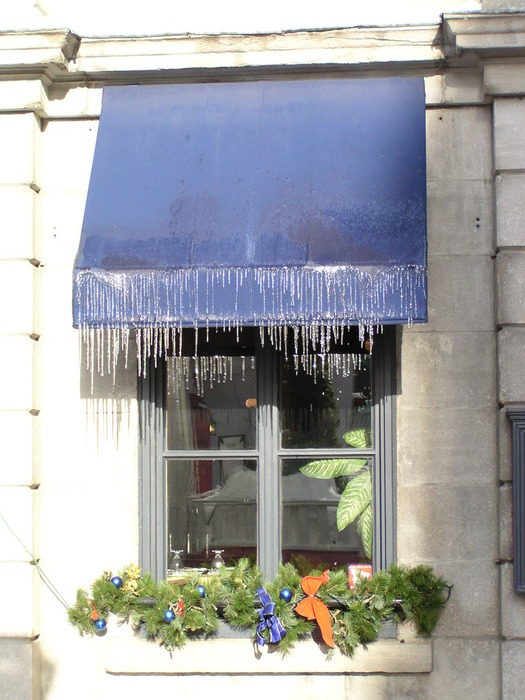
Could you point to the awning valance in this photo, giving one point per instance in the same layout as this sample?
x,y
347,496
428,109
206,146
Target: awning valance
x,y
261,203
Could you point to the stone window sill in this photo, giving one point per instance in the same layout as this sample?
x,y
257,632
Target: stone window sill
x,y
133,656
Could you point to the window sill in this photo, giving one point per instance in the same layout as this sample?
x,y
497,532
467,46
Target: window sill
x,y
133,656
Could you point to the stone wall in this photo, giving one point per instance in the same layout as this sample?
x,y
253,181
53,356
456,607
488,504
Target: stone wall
x,y
68,473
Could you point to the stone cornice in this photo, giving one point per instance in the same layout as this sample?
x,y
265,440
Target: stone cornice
x,y
501,34
63,60
44,52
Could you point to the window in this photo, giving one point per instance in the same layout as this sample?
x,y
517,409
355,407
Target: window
x,y
236,432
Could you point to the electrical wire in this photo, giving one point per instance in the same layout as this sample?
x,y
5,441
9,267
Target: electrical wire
x,y
41,572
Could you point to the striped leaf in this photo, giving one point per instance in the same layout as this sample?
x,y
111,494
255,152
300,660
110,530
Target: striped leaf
x,y
354,499
330,468
364,528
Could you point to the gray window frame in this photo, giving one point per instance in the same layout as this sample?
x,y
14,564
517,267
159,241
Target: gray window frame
x,y
153,455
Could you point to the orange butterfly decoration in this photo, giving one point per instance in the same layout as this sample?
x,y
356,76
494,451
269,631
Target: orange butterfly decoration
x,y
314,609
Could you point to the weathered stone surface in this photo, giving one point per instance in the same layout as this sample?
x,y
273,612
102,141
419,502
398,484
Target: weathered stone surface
x,y
18,205
16,386
67,149
505,446
466,203
19,146
512,606
19,615
447,522
473,607
439,370
455,86
510,266
513,669
465,668
17,291
16,438
460,293
511,351
61,222
510,209
459,144
502,5
505,520
504,78
16,505
509,134
18,664
431,445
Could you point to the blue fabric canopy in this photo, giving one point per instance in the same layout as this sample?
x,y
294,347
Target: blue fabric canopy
x,y
273,202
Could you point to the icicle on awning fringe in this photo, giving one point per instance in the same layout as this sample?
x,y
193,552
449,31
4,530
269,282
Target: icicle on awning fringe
x,y
159,304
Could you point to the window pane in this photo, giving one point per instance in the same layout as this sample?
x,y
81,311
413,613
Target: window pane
x,y
323,398
223,518
315,508
211,403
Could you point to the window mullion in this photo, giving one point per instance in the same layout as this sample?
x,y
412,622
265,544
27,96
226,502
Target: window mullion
x,y
269,482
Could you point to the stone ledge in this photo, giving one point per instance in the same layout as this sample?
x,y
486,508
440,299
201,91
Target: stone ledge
x,y
135,656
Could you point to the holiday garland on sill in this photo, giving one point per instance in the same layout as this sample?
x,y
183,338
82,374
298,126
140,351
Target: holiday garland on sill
x,y
281,613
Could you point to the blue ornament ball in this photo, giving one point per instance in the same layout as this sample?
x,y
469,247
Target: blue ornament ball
x,y
116,581
169,616
202,591
286,594
100,624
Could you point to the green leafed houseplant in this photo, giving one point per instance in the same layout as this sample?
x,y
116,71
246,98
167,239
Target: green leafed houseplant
x,y
355,503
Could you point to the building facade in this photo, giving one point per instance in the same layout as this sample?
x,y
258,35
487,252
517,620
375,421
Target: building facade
x,y
72,472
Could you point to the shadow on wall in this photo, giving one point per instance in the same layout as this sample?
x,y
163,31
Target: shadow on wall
x,y
24,674
109,390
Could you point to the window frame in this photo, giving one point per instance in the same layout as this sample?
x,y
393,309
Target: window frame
x,y
153,456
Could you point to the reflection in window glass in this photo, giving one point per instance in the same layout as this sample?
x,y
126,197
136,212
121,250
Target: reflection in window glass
x,y
211,404
327,512
223,518
321,402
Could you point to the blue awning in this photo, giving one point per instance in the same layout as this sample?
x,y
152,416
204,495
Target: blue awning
x,y
256,203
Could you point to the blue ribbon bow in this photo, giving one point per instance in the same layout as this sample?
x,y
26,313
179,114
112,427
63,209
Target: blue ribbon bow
x,y
268,620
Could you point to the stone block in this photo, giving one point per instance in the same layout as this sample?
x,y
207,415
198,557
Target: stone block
x,y
62,102
473,607
510,209
17,532
512,605
18,666
431,445
505,446
439,370
16,384
505,522
17,219
17,288
61,225
17,591
454,87
18,95
513,669
510,266
459,144
67,154
464,668
468,203
449,523
511,351
509,133
502,5
504,79
16,438
460,294
19,146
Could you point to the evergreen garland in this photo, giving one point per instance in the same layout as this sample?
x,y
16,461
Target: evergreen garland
x,y
401,594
